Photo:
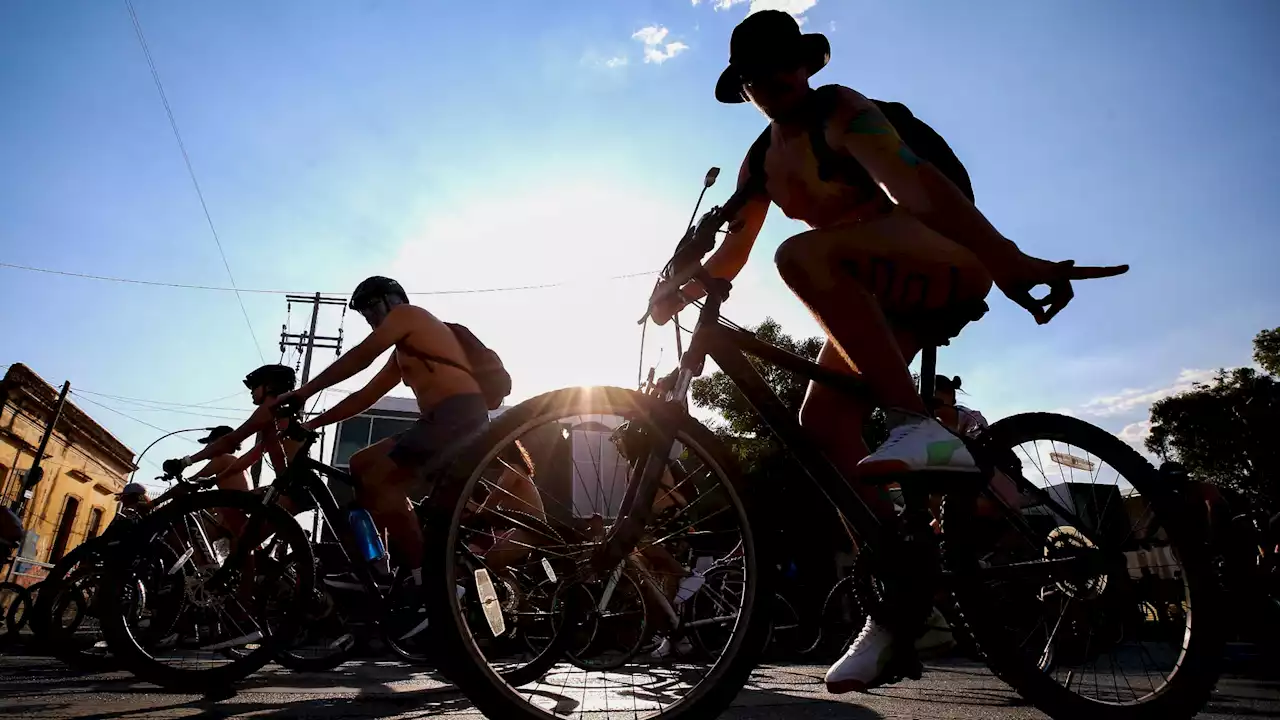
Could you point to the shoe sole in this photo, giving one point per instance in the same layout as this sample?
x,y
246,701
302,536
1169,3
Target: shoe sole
x,y
840,687
878,468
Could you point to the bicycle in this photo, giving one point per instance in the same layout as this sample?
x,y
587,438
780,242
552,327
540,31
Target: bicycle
x,y
1069,563
273,553
64,617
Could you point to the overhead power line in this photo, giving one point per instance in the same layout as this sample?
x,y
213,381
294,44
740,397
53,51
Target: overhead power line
x,y
188,286
163,404
173,123
123,415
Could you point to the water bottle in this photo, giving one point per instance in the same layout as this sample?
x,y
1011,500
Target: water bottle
x,y
367,538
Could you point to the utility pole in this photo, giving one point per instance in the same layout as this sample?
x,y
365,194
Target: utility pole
x,y
309,341
35,472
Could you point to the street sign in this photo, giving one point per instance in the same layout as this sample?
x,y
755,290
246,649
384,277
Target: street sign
x,y
1072,461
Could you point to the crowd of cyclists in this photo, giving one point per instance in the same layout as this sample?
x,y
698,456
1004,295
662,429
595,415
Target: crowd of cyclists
x,y
894,235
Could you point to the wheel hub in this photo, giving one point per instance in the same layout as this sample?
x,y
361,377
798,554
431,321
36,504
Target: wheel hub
x,y
1065,543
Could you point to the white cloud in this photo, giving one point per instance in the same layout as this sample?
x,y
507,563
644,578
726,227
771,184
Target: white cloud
x,y
655,49
795,8
652,35
614,62
1129,400
1135,434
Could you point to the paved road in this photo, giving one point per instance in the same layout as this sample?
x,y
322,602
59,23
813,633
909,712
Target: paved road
x,y
38,687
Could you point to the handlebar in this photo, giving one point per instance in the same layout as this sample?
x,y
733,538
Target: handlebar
x,y
697,242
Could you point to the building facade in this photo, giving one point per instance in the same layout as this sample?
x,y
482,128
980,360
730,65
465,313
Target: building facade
x,y
84,467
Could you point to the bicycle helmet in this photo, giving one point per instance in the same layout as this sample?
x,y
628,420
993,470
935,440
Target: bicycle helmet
x,y
276,379
376,288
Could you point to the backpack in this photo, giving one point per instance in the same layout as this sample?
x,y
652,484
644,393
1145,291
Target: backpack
x,y
486,366
922,139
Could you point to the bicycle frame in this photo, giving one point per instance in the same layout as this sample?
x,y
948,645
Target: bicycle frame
x,y
304,473
729,348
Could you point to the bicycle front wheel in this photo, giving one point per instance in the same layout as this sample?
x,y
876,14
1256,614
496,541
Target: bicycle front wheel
x,y
583,442
1077,579
171,619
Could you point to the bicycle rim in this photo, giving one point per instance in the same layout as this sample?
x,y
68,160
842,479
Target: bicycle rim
x,y
181,635
1113,638
684,691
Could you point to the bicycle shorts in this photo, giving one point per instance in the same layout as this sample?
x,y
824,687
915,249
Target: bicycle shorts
x,y
423,446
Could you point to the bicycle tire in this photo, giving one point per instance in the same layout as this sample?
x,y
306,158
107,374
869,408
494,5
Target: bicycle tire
x,y
577,659
42,614
124,644
833,639
11,595
19,614
547,658
1193,678
494,697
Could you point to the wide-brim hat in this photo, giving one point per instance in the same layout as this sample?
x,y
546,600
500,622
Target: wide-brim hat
x,y
767,39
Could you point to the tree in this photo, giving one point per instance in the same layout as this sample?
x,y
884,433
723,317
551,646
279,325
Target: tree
x,y
1224,432
742,429
1266,351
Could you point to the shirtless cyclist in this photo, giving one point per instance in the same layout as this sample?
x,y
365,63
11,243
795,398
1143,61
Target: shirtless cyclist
x,y
906,216
430,360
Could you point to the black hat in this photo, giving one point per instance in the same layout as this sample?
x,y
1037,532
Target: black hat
x,y
215,433
942,382
764,40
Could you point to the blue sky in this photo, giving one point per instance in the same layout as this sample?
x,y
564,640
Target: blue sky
x,y
481,145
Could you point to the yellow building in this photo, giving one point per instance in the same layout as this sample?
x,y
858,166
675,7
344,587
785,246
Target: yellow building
x,y
84,467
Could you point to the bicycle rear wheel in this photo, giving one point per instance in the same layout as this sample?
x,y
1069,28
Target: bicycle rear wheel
x,y
1057,587
254,615
12,597
568,433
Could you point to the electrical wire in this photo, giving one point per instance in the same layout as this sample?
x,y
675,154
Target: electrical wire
x,y
186,158
202,405
121,414
259,291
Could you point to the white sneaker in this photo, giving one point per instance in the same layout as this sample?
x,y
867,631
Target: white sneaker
x,y
937,638
864,661
665,649
924,445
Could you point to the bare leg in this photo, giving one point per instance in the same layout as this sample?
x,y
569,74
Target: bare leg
x,y
382,492
845,274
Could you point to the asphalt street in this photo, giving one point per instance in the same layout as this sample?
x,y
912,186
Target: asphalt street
x,y
40,687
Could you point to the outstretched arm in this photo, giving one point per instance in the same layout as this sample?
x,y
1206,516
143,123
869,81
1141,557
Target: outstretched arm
x,y
243,463
260,418
362,399
861,129
392,330
728,259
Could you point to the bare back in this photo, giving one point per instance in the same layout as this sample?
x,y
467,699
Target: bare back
x,y
430,381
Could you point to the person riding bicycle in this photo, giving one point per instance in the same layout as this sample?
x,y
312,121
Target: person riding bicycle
x,y
957,418
222,467
265,385
895,237
429,358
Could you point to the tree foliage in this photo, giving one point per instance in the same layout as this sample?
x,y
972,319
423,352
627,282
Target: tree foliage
x,y
741,428
1225,432
1266,351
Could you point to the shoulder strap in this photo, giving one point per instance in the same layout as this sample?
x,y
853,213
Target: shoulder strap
x,y
429,358
832,165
